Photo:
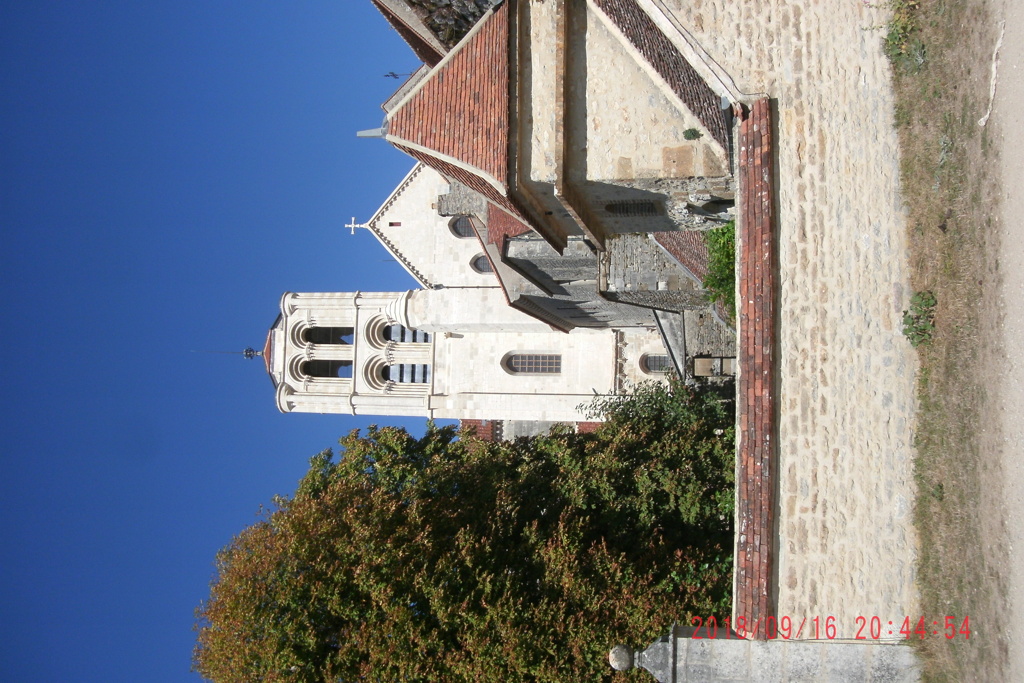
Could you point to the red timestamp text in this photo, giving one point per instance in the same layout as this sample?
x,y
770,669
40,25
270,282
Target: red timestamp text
x,y
785,627
826,628
873,628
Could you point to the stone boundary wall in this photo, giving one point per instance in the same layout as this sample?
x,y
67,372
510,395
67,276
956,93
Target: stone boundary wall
x,y
753,599
676,659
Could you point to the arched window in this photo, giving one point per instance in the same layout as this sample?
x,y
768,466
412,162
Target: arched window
x,y
461,226
655,363
401,333
327,369
406,373
533,363
327,335
480,264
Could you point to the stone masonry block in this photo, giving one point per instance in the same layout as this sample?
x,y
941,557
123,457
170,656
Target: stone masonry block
x,y
894,664
846,663
803,661
732,659
699,664
766,661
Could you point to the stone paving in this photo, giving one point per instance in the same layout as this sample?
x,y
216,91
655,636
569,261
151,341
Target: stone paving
x,y
845,375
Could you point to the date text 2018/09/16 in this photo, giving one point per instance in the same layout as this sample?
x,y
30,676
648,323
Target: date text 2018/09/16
x,y
825,628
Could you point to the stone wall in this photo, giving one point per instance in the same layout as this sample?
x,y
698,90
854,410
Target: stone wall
x,y
634,263
707,336
680,658
461,201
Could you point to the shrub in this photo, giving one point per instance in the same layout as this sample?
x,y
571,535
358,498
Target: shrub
x,y
720,281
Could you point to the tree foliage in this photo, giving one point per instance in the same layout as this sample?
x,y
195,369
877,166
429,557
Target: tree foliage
x,y
447,559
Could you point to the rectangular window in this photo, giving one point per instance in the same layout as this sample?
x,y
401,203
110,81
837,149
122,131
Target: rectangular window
x,y
408,373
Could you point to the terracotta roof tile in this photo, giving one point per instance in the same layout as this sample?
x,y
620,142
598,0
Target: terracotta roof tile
x,y
485,430
461,111
756,392
268,348
501,224
689,248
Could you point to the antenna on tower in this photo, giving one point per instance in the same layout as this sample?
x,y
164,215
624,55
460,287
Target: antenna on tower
x,y
248,352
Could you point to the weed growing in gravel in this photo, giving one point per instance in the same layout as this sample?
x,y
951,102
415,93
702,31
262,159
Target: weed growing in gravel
x,y
919,321
903,46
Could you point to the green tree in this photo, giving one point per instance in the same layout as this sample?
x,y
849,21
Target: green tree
x,y
449,559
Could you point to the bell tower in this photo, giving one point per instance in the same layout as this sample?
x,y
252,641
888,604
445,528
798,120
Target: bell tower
x,y
351,353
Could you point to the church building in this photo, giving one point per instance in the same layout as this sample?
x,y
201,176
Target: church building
x,y
571,154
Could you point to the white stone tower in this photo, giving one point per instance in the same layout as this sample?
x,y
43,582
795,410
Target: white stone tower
x,y
349,353
457,352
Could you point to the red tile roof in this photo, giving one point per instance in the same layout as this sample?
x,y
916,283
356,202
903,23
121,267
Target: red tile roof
x,y
501,224
485,430
689,248
460,113
268,348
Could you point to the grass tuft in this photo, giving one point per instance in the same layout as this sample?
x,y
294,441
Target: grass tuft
x,y
919,321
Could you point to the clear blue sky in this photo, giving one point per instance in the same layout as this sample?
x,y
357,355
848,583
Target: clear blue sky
x,y
169,168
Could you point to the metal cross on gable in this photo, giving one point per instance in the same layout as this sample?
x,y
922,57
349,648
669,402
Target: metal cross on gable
x,y
353,225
